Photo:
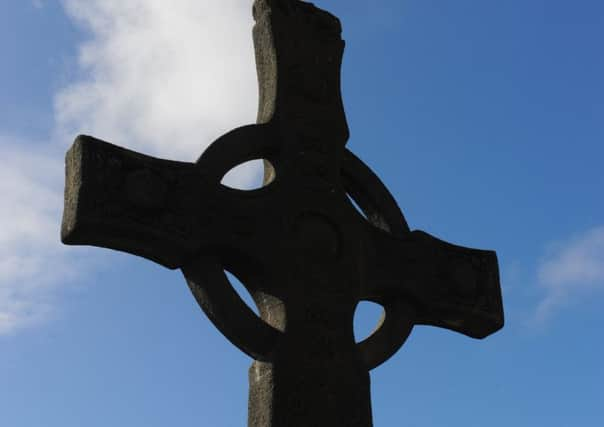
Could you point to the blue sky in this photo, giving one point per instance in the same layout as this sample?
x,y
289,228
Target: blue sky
x,y
484,118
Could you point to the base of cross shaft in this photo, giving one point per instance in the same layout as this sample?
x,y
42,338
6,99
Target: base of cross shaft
x,y
315,378
282,395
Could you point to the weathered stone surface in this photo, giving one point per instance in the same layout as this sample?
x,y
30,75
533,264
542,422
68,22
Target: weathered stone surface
x,y
303,251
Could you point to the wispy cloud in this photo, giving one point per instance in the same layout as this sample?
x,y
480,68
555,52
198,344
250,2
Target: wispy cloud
x,y
32,260
571,269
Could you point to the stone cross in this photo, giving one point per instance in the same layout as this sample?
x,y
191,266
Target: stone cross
x,y
298,244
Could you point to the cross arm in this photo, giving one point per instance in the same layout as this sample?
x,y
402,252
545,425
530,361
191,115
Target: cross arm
x,y
449,286
119,199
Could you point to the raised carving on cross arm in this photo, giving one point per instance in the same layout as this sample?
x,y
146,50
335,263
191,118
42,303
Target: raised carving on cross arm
x,y
298,244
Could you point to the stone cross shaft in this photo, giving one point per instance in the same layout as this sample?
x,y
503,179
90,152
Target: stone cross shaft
x,y
298,244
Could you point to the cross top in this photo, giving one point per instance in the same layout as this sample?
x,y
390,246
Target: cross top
x,y
298,244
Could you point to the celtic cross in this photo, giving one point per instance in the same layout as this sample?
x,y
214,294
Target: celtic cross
x,y
298,244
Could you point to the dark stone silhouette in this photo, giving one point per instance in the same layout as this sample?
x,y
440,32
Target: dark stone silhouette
x,y
303,251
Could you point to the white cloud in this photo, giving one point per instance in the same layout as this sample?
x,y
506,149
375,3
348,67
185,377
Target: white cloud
x,y
163,77
572,269
32,260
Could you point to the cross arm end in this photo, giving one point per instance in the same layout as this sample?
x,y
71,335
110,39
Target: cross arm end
x,y
464,285
449,286
119,199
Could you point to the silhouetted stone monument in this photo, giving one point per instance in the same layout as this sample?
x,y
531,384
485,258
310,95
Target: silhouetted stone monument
x,y
298,244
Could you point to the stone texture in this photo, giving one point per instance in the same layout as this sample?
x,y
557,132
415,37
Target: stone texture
x,y
298,244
